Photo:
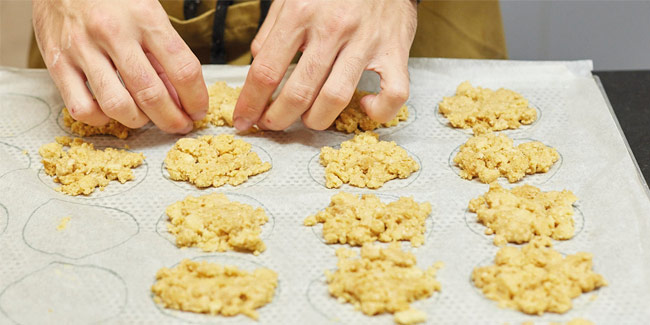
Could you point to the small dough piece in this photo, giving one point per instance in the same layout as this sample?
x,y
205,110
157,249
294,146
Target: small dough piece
x,y
517,215
382,280
354,220
113,127
491,110
488,156
209,288
354,119
221,105
213,161
365,161
63,223
82,168
536,279
214,223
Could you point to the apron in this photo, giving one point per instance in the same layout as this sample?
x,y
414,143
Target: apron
x,y
446,29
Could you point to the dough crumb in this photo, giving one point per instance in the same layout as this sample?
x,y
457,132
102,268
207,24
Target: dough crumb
x,y
410,316
209,288
365,161
382,280
536,279
518,215
214,223
354,119
222,100
213,161
63,223
82,168
113,127
354,220
489,156
492,110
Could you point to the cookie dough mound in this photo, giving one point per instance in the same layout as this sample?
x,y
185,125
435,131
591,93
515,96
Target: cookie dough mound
x,y
353,119
222,105
213,161
492,110
354,220
536,279
214,223
203,287
113,127
365,161
488,156
518,215
382,280
82,168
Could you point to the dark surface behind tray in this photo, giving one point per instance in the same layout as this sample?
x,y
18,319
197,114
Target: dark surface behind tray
x,y
629,94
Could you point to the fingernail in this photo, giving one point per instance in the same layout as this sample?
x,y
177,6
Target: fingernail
x,y
188,129
199,115
242,123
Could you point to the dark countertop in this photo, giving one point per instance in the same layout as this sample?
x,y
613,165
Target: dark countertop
x,y
629,94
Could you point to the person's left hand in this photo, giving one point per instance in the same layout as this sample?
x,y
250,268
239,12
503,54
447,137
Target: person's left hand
x,y
339,40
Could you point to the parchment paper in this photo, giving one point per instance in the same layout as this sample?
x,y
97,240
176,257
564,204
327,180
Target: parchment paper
x,y
101,267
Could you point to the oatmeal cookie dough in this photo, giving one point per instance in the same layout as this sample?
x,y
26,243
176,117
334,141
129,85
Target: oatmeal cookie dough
x,y
82,168
214,223
221,105
203,287
489,156
518,215
354,119
536,279
113,127
382,280
491,110
365,161
213,161
355,220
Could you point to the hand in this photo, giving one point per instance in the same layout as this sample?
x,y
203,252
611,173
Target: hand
x,y
339,40
89,40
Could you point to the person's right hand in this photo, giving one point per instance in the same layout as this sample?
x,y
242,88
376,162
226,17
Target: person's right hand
x,y
89,40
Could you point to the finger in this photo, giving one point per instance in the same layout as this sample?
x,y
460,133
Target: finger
x,y
265,74
174,61
163,76
264,30
394,90
114,100
78,100
148,90
303,86
337,90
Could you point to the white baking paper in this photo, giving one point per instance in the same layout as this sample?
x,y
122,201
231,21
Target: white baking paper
x,y
101,267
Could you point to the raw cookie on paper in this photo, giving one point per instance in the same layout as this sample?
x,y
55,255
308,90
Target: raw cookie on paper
x,y
222,105
355,220
354,119
485,108
214,223
489,156
520,214
365,161
204,287
382,281
536,279
82,168
213,161
79,128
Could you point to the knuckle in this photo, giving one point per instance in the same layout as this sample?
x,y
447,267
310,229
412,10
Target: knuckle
x,y
150,96
256,45
266,75
188,72
398,94
115,105
337,98
299,97
102,25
